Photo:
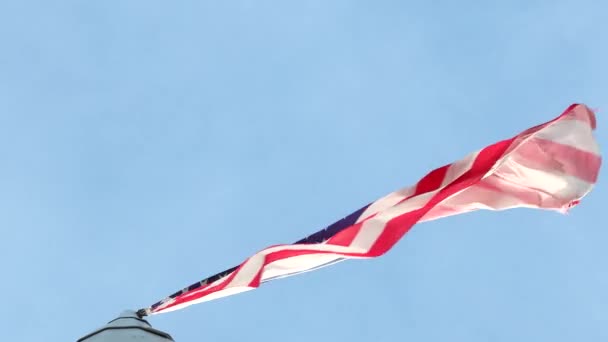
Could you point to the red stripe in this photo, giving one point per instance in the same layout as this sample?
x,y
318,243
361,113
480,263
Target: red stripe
x,y
346,236
499,185
542,154
432,181
258,277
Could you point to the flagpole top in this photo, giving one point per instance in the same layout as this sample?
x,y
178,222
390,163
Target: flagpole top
x,y
128,326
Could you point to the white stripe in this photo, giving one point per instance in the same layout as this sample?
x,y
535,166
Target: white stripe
x,y
298,264
315,247
248,271
573,133
458,168
368,234
475,198
386,202
549,182
215,295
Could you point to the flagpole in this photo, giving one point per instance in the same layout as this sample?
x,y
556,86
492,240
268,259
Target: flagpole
x,y
128,327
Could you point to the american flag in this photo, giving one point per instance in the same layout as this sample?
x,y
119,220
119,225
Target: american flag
x,y
549,166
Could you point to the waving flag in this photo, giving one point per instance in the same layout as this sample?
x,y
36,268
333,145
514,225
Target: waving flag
x,y
550,166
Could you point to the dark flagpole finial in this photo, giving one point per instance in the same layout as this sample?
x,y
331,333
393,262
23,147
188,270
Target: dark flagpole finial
x,y
141,313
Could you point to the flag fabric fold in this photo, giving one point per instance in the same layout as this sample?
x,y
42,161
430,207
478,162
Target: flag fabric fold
x,y
551,166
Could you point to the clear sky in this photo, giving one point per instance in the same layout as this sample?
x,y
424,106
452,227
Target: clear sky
x,y
145,145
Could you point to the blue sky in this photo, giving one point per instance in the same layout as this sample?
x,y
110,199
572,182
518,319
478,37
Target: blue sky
x,y
145,145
